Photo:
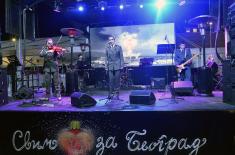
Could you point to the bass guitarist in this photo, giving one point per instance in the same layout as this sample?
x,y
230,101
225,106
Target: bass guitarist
x,y
181,56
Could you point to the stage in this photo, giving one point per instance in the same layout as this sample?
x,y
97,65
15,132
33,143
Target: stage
x,y
196,125
189,103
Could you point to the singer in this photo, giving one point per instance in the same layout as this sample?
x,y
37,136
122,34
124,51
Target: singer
x,y
114,64
52,54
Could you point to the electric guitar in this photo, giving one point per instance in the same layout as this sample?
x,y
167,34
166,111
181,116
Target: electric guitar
x,y
182,66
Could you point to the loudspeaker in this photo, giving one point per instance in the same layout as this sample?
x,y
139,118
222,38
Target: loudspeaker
x,y
205,81
24,93
81,100
228,72
142,97
229,93
182,87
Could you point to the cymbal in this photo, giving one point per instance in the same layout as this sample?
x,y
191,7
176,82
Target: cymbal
x,y
203,19
71,32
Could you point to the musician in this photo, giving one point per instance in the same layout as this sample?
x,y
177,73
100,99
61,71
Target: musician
x,y
52,54
182,55
114,63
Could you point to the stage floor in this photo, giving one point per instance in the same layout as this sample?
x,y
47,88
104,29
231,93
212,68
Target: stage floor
x,y
190,103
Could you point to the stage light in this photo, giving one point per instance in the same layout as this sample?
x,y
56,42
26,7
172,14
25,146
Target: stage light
x,y
80,8
160,4
102,5
121,7
141,6
13,39
182,2
102,8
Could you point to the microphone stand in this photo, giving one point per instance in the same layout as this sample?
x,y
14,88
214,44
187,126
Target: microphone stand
x,y
173,98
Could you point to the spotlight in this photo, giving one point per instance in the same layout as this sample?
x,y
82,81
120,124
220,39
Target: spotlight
x,y
160,4
141,6
102,5
121,7
80,8
13,39
102,8
182,2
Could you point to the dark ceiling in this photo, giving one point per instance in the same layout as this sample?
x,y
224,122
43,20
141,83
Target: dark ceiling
x,y
49,23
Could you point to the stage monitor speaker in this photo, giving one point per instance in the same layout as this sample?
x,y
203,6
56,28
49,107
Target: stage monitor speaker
x,y
24,93
205,81
182,87
145,97
81,100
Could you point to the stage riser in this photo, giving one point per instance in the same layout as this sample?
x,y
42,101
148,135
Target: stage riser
x,y
119,133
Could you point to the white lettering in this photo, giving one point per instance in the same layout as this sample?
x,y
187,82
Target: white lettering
x,y
28,144
102,145
162,144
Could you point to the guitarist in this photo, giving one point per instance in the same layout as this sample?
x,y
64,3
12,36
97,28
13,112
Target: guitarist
x,y
182,55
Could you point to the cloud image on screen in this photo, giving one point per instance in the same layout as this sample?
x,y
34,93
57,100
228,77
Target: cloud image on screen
x,y
136,41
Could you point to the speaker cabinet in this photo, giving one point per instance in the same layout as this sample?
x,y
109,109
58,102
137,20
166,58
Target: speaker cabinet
x,y
182,87
229,93
142,97
205,81
81,100
24,93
